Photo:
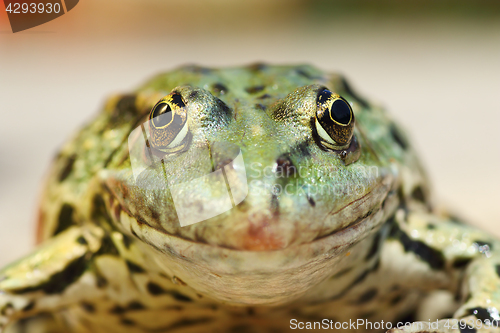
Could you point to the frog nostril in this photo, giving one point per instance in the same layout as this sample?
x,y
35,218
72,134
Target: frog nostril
x,y
285,167
255,89
219,88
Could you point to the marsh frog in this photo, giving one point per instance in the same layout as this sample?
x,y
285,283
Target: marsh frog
x,y
246,199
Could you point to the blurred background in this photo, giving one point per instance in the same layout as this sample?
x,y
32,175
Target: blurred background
x,y
434,65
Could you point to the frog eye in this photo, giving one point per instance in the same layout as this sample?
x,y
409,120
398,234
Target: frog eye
x,y
334,120
168,122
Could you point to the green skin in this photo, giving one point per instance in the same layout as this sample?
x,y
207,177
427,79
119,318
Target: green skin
x,y
352,236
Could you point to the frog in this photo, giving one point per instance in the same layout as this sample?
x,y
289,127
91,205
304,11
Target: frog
x,y
259,198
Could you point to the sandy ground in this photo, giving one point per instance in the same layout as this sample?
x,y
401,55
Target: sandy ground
x,y
437,71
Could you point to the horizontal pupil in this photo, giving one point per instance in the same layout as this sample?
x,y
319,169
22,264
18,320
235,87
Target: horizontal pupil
x,y
340,112
162,115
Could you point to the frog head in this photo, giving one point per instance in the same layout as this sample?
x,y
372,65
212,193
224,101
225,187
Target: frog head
x,y
255,162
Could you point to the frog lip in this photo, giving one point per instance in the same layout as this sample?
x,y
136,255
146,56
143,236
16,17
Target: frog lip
x,y
248,227
256,240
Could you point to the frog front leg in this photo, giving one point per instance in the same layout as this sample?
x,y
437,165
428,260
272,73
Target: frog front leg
x,y
55,275
460,258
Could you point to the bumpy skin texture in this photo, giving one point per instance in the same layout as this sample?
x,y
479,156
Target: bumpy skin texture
x,y
353,236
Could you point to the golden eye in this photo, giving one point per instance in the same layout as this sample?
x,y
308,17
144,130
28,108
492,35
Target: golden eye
x,y
168,124
334,120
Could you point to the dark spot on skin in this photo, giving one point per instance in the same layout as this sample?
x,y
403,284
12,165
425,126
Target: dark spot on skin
x,y
396,135
408,317
173,307
189,322
360,278
127,322
223,107
101,282
418,194
240,328
65,219
301,149
285,167
254,89
127,241
124,110
376,266
396,299
219,88
461,262
367,296
433,257
155,289
126,104
108,247
29,307
395,287
257,67
193,94
311,201
458,295
99,210
497,269
342,272
117,310
264,96
483,314
59,281
89,307
366,315
82,240
261,107
374,248
348,89
180,297
134,268
68,167
6,309
467,329
135,305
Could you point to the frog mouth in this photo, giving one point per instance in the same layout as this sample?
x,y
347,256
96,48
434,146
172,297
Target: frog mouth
x,y
371,208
